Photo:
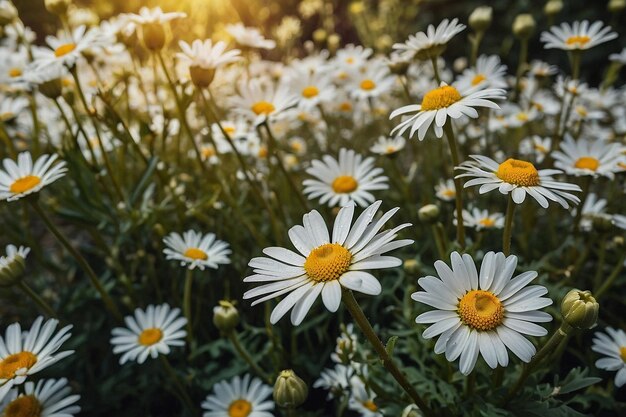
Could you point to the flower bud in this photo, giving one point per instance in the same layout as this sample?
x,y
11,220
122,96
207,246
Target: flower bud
x,y
334,41
153,35
616,6
320,36
201,77
11,270
57,7
399,67
289,390
480,19
412,266
580,309
428,213
460,64
553,7
225,316
524,26
8,13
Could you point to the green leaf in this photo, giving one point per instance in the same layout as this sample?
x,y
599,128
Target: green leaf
x,y
391,344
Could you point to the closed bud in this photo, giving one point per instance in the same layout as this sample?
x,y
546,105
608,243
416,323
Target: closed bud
x,y
524,26
616,6
153,35
553,7
52,89
580,309
289,390
428,213
480,19
320,36
334,41
57,7
11,270
225,316
201,77
460,64
8,13
412,266
399,67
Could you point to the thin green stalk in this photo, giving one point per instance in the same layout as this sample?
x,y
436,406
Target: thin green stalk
x,y
575,58
433,59
184,396
37,299
579,212
508,226
601,261
521,65
611,278
355,310
7,140
245,355
460,229
187,302
36,124
108,301
475,42
440,240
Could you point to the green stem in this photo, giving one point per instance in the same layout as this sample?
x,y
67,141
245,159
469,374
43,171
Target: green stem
x,y
187,302
508,226
440,239
37,299
475,41
184,396
575,58
245,355
108,302
357,314
585,193
521,65
460,229
609,281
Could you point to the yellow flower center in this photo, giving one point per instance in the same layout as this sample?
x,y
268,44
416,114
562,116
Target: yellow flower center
x,y
345,106
369,404
449,193
622,353
327,262
207,152
518,172
349,60
487,222
440,98
263,107
391,149
13,363
195,253
522,116
344,184
15,72
229,130
368,85
578,40
481,310
541,148
582,111
64,49
6,115
538,106
23,406
150,336
310,91
587,162
478,78
239,408
24,184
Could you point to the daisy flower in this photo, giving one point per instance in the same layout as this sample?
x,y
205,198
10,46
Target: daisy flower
x,y
488,72
325,264
589,157
206,55
239,397
336,380
25,353
12,264
313,88
362,400
619,220
482,313
48,398
518,178
613,346
374,81
432,43
352,57
536,146
20,179
445,101
66,49
154,15
250,37
445,190
593,208
260,102
150,332
577,36
387,146
481,219
620,58
193,249
350,178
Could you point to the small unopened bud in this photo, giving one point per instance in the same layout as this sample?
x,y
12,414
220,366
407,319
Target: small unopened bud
x,y
57,7
201,77
616,6
320,36
225,316
553,7
11,271
52,89
524,26
412,266
399,67
8,13
580,309
480,19
428,213
333,42
289,390
153,35
460,64
618,241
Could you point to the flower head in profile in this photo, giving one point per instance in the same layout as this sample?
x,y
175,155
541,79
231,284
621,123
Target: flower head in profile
x,y
149,332
362,400
482,313
206,54
443,103
21,178
481,219
488,73
155,15
388,146
577,36
612,345
47,398
239,397
263,101
195,250
12,264
250,37
66,49
518,178
325,263
445,190
589,157
432,43
348,178
24,353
